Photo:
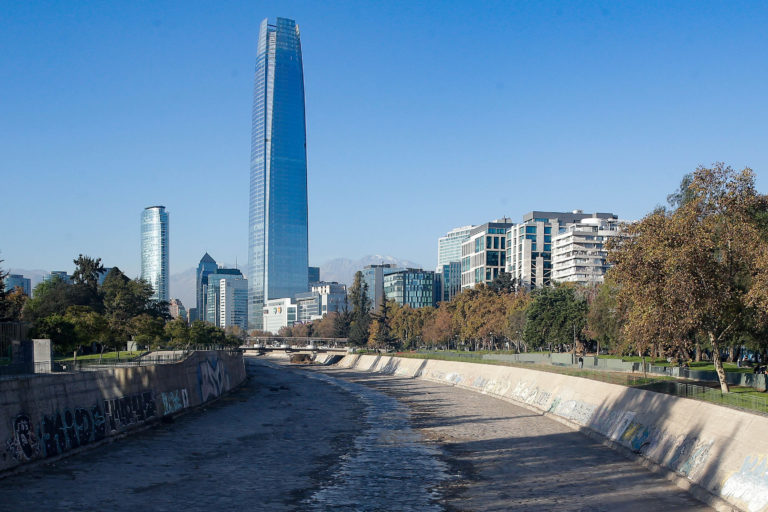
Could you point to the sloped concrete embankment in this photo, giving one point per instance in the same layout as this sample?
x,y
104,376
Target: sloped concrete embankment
x,y
720,454
51,415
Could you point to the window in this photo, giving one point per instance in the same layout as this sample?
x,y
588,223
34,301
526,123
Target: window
x,y
503,240
530,229
478,241
547,230
533,246
495,242
488,242
547,238
530,237
492,258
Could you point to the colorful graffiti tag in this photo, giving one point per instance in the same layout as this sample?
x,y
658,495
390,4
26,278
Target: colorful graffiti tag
x,y
213,379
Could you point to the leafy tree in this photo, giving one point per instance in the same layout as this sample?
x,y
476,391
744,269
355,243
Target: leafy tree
x,y
503,283
285,332
341,323
702,268
603,322
555,316
325,327
438,327
302,330
59,330
380,335
361,305
177,332
12,304
147,330
684,194
89,325
49,297
87,272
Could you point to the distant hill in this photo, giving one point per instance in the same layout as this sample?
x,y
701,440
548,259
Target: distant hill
x,y
343,269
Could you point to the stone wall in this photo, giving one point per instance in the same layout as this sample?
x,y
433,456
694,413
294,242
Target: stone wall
x,y
47,416
721,450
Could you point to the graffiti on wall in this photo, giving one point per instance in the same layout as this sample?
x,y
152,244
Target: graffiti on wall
x,y
69,429
529,393
213,379
23,444
174,401
129,410
749,484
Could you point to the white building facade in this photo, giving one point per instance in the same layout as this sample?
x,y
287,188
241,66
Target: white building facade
x,y
233,303
449,245
278,313
579,253
483,254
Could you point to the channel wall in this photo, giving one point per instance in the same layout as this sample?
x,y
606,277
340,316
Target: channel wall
x,y
719,454
51,415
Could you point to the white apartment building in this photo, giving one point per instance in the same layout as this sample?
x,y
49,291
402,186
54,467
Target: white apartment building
x,y
579,254
233,303
530,243
333,296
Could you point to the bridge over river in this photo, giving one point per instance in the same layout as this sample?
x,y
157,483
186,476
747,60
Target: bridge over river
x,y
323,438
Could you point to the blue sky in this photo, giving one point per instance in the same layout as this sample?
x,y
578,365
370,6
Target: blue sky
x,y
422,116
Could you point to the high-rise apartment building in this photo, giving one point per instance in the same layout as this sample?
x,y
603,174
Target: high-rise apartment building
x,y
177,310
57,274
277,235
449,245
529,244
333,296
483,254
154,250
233,303
579,254
206,267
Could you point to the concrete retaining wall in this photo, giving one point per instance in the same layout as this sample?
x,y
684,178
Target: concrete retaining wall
x,y
49,415
722,450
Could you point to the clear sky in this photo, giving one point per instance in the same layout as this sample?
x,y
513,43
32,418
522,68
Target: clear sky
x,y
421,116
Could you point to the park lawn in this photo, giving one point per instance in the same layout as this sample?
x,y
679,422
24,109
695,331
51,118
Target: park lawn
x,y
693,365
124,354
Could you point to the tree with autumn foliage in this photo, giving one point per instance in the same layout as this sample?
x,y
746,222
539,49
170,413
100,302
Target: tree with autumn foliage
x,y
699,269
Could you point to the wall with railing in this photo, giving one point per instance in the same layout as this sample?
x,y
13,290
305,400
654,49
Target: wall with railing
x,y
718,453
46,416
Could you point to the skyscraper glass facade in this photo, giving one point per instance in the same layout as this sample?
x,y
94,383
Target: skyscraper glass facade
x,y
206,267
154,250
277,235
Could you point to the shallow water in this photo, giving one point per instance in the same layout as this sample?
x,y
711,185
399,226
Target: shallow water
x,y
388,468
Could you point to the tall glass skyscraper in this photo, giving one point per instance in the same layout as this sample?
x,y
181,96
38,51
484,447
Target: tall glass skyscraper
x,y
277,234
154,250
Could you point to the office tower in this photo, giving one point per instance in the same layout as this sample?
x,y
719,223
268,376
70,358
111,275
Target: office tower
x,y
206,267
449,246
58,274
413,287
529,244
373,276
483,254
14,280
314,275
448,281
213,294
333,296
154,250
277,234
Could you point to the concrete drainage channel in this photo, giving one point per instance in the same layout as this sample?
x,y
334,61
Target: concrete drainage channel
x,y
55,415
715,453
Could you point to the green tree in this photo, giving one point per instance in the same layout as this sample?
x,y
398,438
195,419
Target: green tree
x,y
702,268
59,330
87,272
555,316
48,298
360,316
177,333
380,335
89,325
12,304
147,330
603,322
503,283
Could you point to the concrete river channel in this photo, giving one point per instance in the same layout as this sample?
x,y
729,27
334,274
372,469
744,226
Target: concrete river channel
x,y
310,438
